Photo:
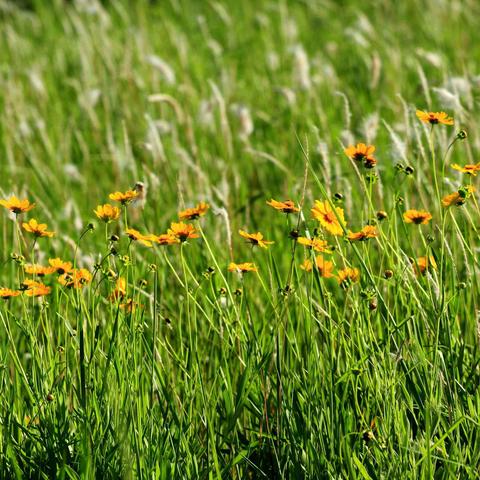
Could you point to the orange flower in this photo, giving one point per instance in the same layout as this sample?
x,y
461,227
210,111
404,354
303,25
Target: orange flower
x,y
325,267
17,206
195,212
331,221
77,278
166,239
35,289
182,231
362,153
348,275
315,244
468,169
458,198
418,217
107,213
424,264
242,267
123,198
286,207
136,236
38,270
130,305
255,239
434,117
365,233
307,265
60,266
7,293
38,229
120,289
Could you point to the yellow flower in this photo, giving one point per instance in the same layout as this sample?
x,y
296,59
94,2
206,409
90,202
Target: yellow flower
x,y
17,206
434,117
286,207
323,212
418,217
307,265
136,236
325,267
38,229
120,289
195,212
60,266
362,153
182,231
365,233
424,264
315,244
34,288
38,270
348,275
123,198
468,169
458,198
77,278
107,213
166,239
7,293
242,267
255,239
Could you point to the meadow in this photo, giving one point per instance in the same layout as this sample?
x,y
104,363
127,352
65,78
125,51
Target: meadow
x,y
239,239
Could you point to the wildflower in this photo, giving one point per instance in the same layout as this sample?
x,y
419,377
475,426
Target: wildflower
x,y
434,117
458,198
242,267
468,169
348,275
193,213
38,229
17,206
107,212
136,236
120,289
362,153
7,293
182,231
38,270
418,217
124,198
255,239
129,305
286,207
424,264
307,265
77,278
315,244
60,266
331,220
166,239
365,233
325,267
35,289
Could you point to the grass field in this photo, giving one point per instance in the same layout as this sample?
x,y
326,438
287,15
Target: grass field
x,y
134,347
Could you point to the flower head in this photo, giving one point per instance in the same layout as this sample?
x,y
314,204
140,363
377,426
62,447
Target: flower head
x,y
76,279
369,231
434,117
17,206
459,197
182,231
348,275
331,220
38,270
7,293
468,169
362,153
255,239
120,289
59,266
124,197
38,229
136,236
418,217
242,267
107,212
193,213
33,288
325,267
166,239
286,207
315,244
424,264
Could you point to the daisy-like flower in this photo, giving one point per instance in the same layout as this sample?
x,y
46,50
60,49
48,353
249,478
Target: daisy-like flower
x,y
38,270
59,266
193,213
17,206
315,244
468,169
130,305
136,236
418,217
124,197
38,229
348,275
424,264
35,289
458,198
288,206
166,239
331,221
76,279
369,231
242,267
120,289
255,239
434,117
307,265
107,212
7,293
325,267
362,153
182,231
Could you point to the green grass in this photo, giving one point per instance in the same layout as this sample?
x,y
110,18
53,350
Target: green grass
x,y
280,374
